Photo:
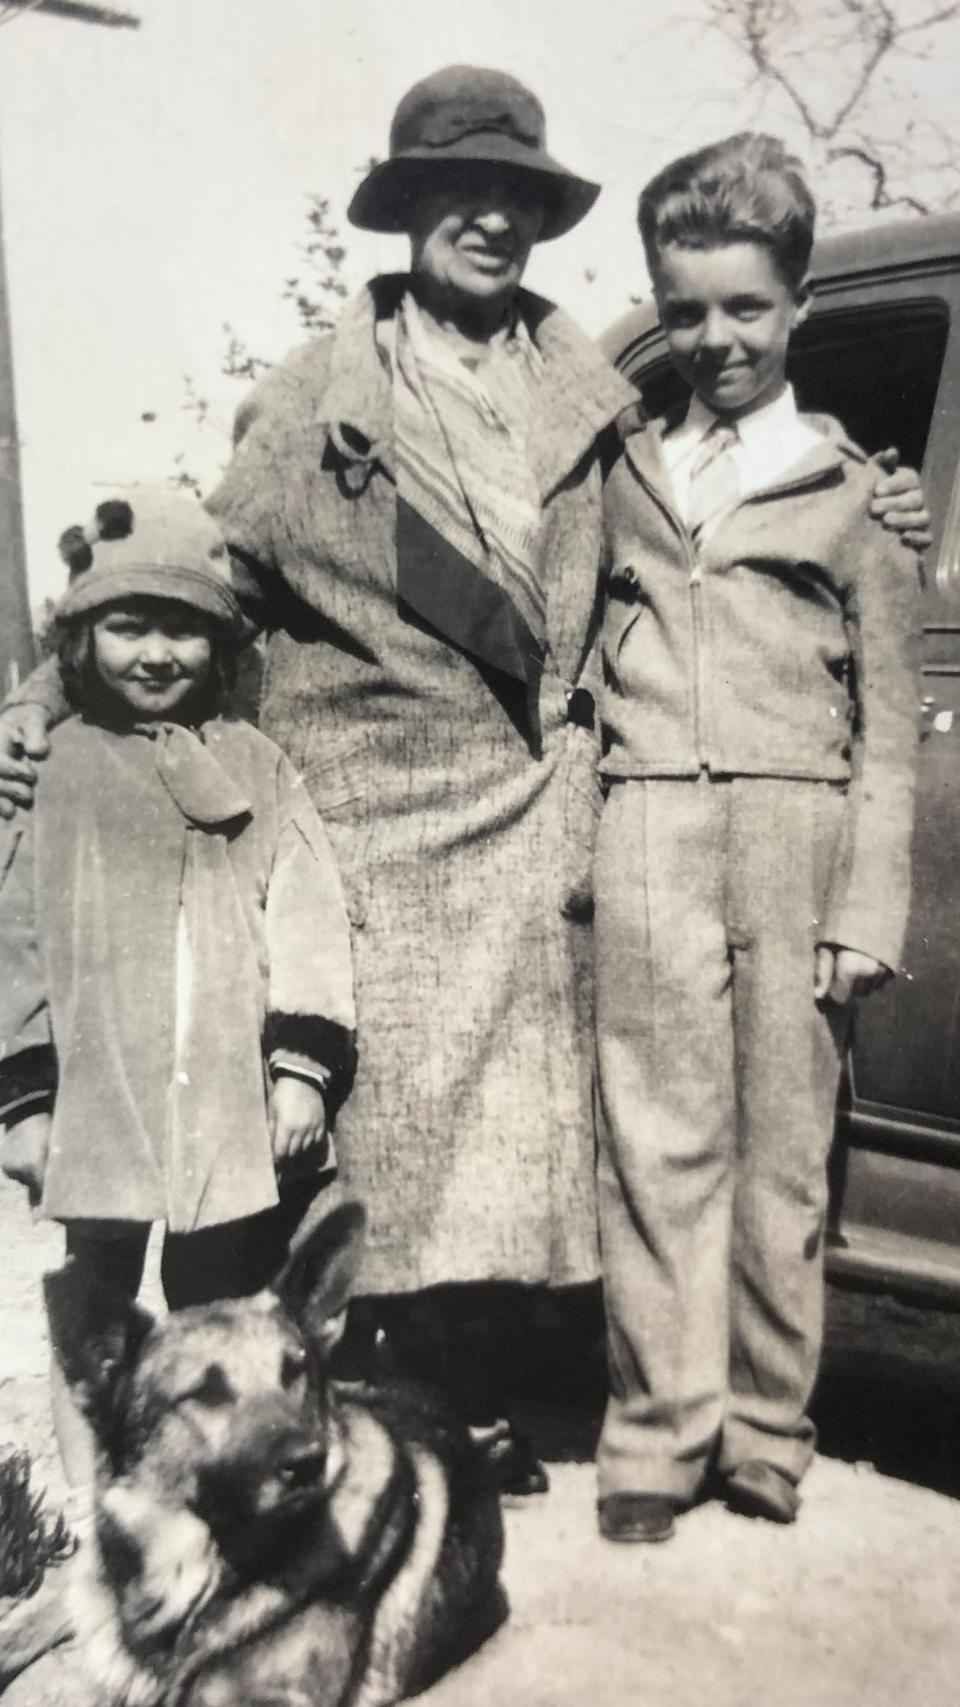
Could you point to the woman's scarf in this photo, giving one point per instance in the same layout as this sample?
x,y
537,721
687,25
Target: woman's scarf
x,y
468,507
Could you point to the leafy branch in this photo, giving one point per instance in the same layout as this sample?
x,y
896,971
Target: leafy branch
x,y
316,292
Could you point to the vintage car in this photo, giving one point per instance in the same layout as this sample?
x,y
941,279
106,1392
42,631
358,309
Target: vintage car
x,y
881,352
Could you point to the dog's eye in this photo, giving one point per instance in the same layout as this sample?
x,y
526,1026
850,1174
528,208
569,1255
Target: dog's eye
x,y
212,1389
293,1366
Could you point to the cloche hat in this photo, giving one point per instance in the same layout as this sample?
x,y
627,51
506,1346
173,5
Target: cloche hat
x,y
468,113
149,543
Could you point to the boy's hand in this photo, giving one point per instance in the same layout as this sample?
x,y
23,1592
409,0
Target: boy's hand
x,y
26,1146
898,501
298,1117
842,973
23,736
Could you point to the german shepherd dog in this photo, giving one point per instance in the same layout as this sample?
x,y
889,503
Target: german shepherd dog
x,y
266,1535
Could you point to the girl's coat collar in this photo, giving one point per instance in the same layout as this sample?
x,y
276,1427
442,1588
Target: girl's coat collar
x,y
192,775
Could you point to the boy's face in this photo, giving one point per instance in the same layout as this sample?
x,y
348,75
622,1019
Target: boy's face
x,y
153,654
728,314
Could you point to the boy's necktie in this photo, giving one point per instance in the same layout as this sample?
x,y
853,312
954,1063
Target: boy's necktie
x,y
714,477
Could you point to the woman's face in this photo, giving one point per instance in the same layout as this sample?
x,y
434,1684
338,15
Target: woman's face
x,y
471,233
154,655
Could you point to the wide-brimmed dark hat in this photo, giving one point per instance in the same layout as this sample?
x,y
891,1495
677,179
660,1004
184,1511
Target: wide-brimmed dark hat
x,y
466,113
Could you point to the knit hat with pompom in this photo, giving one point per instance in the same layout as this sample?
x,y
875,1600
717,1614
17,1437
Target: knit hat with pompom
x,y
149,543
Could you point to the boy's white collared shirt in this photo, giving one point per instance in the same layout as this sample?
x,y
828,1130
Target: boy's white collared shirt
x,y
770,441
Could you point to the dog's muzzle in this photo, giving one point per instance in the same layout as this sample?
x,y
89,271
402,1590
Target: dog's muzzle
x,y
302,1466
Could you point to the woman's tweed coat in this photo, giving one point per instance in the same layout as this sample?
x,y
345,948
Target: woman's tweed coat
x,y
464,850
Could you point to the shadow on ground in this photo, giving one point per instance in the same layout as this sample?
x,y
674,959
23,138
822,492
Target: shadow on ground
x,y
888,1394
889,1389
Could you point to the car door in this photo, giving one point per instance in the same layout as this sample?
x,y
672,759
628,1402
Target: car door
x,y
883,353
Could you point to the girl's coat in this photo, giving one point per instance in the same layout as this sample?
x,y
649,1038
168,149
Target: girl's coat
x,y
171,920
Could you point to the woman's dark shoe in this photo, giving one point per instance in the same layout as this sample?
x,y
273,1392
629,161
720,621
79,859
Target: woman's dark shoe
x,y
516,1468
636,1517
756,1489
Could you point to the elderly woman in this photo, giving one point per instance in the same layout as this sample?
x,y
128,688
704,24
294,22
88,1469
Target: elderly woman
x,y
418,499
415,506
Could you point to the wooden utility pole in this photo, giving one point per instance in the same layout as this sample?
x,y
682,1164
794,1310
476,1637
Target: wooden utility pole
x,y
16,628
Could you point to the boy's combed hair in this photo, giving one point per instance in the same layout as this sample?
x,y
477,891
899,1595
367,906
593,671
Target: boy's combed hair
x,y
747,188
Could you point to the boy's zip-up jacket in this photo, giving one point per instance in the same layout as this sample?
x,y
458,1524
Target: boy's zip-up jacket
x,y
785,646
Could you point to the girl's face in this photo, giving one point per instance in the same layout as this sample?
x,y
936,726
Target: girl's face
x,y
154,655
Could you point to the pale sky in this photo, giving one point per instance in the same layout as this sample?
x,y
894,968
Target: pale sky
x,y
154,186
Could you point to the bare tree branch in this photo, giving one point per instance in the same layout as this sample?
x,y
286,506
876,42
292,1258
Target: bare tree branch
x,y
928,23
851,72
882,28
74,9
881,198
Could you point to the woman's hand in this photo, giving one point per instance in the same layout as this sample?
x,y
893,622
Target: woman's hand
x,y
26,1146
898,501
23,736
842,973
298,1118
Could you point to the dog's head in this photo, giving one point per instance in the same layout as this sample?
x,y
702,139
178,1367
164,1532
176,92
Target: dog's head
x,y
223,1409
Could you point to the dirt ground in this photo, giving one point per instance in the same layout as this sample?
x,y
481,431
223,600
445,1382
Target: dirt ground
x,y
858,1603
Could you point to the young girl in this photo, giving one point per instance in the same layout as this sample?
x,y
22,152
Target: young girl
x,y
176,1005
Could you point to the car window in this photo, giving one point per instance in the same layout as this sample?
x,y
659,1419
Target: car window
x,y
877,370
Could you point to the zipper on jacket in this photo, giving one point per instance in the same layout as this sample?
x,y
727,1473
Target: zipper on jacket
x,y
785,487
695,584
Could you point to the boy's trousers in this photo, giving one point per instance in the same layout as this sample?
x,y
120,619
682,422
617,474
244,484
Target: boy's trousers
x,y
717,1081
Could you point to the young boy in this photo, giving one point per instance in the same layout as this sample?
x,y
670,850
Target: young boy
x,y
752,875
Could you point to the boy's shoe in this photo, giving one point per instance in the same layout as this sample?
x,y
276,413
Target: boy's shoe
x,y
756,1489
636,1517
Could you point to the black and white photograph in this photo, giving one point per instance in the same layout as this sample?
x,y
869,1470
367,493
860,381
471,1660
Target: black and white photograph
x,y
479,853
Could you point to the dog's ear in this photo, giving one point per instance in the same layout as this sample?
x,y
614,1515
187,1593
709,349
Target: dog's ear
x,y
96,1333
318,1279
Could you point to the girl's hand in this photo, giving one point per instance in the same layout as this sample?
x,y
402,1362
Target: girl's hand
x,y
842,973
298,1117
25,1149
899,503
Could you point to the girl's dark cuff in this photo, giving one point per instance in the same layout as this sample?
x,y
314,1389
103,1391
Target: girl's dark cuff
x,y
28,1083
